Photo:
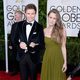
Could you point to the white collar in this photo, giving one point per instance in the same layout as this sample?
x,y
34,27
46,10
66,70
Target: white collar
x,y
31,22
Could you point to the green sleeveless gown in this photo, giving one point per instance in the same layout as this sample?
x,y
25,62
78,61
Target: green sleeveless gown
x,y
52,62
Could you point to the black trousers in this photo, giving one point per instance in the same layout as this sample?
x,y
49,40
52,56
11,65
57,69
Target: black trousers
x,y
26,67
14,63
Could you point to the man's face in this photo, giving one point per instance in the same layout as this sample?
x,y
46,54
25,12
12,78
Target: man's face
x,y
30,14
18,17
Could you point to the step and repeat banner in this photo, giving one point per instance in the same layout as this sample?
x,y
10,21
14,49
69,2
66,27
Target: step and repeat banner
x,y
70,14
10,6
69,10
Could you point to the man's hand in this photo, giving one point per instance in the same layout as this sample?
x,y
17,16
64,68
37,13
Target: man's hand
x,y
10,47
23,45
32,44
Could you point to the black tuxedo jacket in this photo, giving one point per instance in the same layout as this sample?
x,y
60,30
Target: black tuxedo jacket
x,y
36,35
12,37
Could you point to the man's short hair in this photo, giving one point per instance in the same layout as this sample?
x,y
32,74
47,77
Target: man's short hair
x,y
30,6
19,12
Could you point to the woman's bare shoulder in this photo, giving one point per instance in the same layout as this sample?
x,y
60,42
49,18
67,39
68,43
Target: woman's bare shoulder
x,y
45,31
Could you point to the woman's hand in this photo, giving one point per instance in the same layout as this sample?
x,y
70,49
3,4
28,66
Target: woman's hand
x,y
23,45
69,78
64,68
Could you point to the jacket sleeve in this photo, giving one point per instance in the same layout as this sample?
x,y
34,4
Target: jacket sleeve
x,y
14,36
41,37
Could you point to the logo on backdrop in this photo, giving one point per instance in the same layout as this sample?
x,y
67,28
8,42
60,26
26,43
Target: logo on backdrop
x,y
70,15
19,1
10,14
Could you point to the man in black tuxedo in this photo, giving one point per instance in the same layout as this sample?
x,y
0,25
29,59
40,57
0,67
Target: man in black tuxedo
x,y
18,16
29,40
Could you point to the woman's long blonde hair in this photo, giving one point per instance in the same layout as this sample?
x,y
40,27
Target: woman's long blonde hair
x,y
57,32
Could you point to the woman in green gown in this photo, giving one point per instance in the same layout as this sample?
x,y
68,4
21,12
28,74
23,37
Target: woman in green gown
x,y
54,64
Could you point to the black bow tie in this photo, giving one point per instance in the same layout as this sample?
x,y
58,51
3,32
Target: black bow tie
x,y
27,23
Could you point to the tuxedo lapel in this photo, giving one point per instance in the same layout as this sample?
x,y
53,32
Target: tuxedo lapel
x,y
32,30
24,31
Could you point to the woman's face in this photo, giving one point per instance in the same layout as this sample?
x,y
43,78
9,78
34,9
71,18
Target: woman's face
x,y
52,18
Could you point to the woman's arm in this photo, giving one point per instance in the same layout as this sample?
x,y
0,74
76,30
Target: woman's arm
x,y
64,53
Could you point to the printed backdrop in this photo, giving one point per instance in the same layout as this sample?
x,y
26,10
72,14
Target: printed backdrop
x,y
10,6
70,14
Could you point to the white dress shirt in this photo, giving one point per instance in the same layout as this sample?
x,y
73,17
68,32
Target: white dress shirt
x,y
28,29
